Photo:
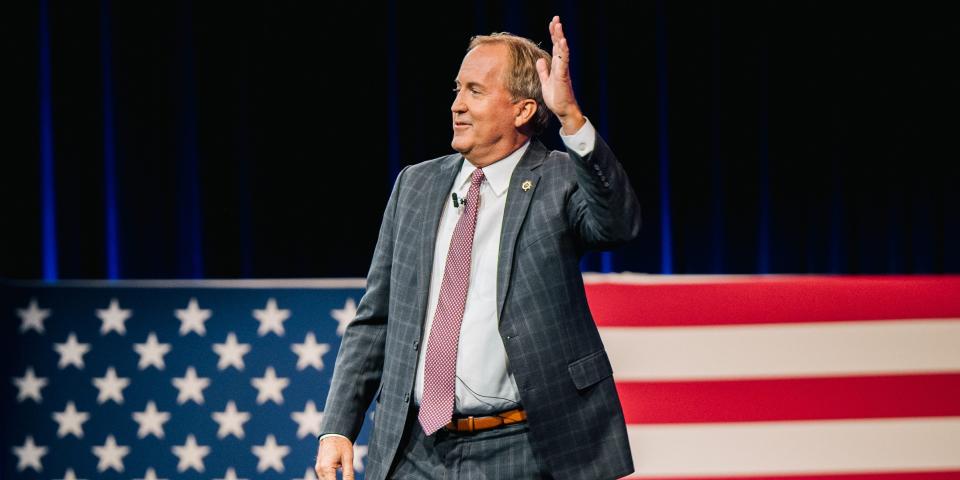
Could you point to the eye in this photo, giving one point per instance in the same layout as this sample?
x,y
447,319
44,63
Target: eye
x,y
473,90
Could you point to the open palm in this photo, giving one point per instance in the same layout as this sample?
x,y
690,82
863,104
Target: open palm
x,y
555,81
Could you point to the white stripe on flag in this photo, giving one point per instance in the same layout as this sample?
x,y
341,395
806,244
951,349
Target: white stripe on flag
x,y
784,350
811,447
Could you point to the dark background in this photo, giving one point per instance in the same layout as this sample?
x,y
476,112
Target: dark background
x,y
260,139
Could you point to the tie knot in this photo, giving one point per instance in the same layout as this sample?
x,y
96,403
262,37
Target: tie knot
x,y
476,178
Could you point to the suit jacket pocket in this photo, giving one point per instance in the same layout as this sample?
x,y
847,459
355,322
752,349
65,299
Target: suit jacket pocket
x,y
590,369
526,243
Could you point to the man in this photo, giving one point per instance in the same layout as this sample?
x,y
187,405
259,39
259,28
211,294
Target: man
x,y
474,335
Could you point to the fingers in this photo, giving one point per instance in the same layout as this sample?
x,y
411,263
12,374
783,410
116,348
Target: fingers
x,y
317,468
347,464
326,468
326,473
334,453
560,64
543,71
555,32
346,459
561,51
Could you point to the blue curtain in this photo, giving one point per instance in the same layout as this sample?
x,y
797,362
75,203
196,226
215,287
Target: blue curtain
x,y
191,140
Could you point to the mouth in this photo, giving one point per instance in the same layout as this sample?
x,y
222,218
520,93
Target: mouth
x,y
460,125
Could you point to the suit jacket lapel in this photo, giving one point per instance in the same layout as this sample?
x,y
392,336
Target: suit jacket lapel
x,y
436,196
515,211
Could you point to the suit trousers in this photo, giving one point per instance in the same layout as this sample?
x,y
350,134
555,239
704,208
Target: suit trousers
x,y
495,454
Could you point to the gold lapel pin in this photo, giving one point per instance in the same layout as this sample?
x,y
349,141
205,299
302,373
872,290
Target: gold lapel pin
x,y
526,185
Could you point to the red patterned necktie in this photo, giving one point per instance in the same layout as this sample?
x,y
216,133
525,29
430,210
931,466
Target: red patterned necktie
x,y
440,366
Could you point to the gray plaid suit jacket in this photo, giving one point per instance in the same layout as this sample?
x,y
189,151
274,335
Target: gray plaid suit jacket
x,y
564,377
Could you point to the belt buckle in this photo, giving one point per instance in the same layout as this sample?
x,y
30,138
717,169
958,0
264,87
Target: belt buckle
x,y
465,424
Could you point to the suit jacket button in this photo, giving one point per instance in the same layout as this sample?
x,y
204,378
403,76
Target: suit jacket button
x,y
416,344
406,397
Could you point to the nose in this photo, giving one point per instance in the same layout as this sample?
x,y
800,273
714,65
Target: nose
x,y
458,105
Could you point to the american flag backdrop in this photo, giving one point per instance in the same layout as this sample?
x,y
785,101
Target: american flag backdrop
x,y
720,377
786,377
170,380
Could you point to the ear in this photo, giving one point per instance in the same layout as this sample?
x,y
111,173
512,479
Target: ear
x,y
524,111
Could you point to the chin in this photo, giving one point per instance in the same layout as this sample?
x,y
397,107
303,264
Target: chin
x,y
458,146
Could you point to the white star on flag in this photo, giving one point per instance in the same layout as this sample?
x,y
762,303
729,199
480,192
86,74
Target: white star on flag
x,y
309,420
32,317
231,421
270,387
190,386
308,475
110,455
151,353
29,386
271,318
29,455
71,352
359,451
110,386
150,421
191,455
150,474
231,353
192,318
344,315
113,318
69,475
70,421
310,353
230,475
270,455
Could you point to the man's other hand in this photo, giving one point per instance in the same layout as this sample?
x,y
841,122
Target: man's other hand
x,y
334,453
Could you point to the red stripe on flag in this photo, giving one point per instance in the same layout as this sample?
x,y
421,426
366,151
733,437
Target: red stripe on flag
x,y
937,475
775,300
923,395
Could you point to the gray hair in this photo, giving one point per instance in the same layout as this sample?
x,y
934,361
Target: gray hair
x,y
522,79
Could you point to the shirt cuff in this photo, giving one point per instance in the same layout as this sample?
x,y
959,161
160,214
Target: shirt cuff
x,y
583,141
332,435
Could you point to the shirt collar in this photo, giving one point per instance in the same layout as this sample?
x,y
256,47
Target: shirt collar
x,y
497,173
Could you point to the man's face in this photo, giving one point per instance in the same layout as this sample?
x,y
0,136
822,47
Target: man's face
x,y
483,114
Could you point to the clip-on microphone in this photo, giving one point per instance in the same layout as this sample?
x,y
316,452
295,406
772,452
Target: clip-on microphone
x,y
462,201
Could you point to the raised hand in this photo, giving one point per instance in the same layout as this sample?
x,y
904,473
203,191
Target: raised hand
x,y
555,81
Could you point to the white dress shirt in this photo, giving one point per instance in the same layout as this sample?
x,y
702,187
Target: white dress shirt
x,y
484,384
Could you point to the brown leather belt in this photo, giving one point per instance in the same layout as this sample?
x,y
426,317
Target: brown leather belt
x,y
476,424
